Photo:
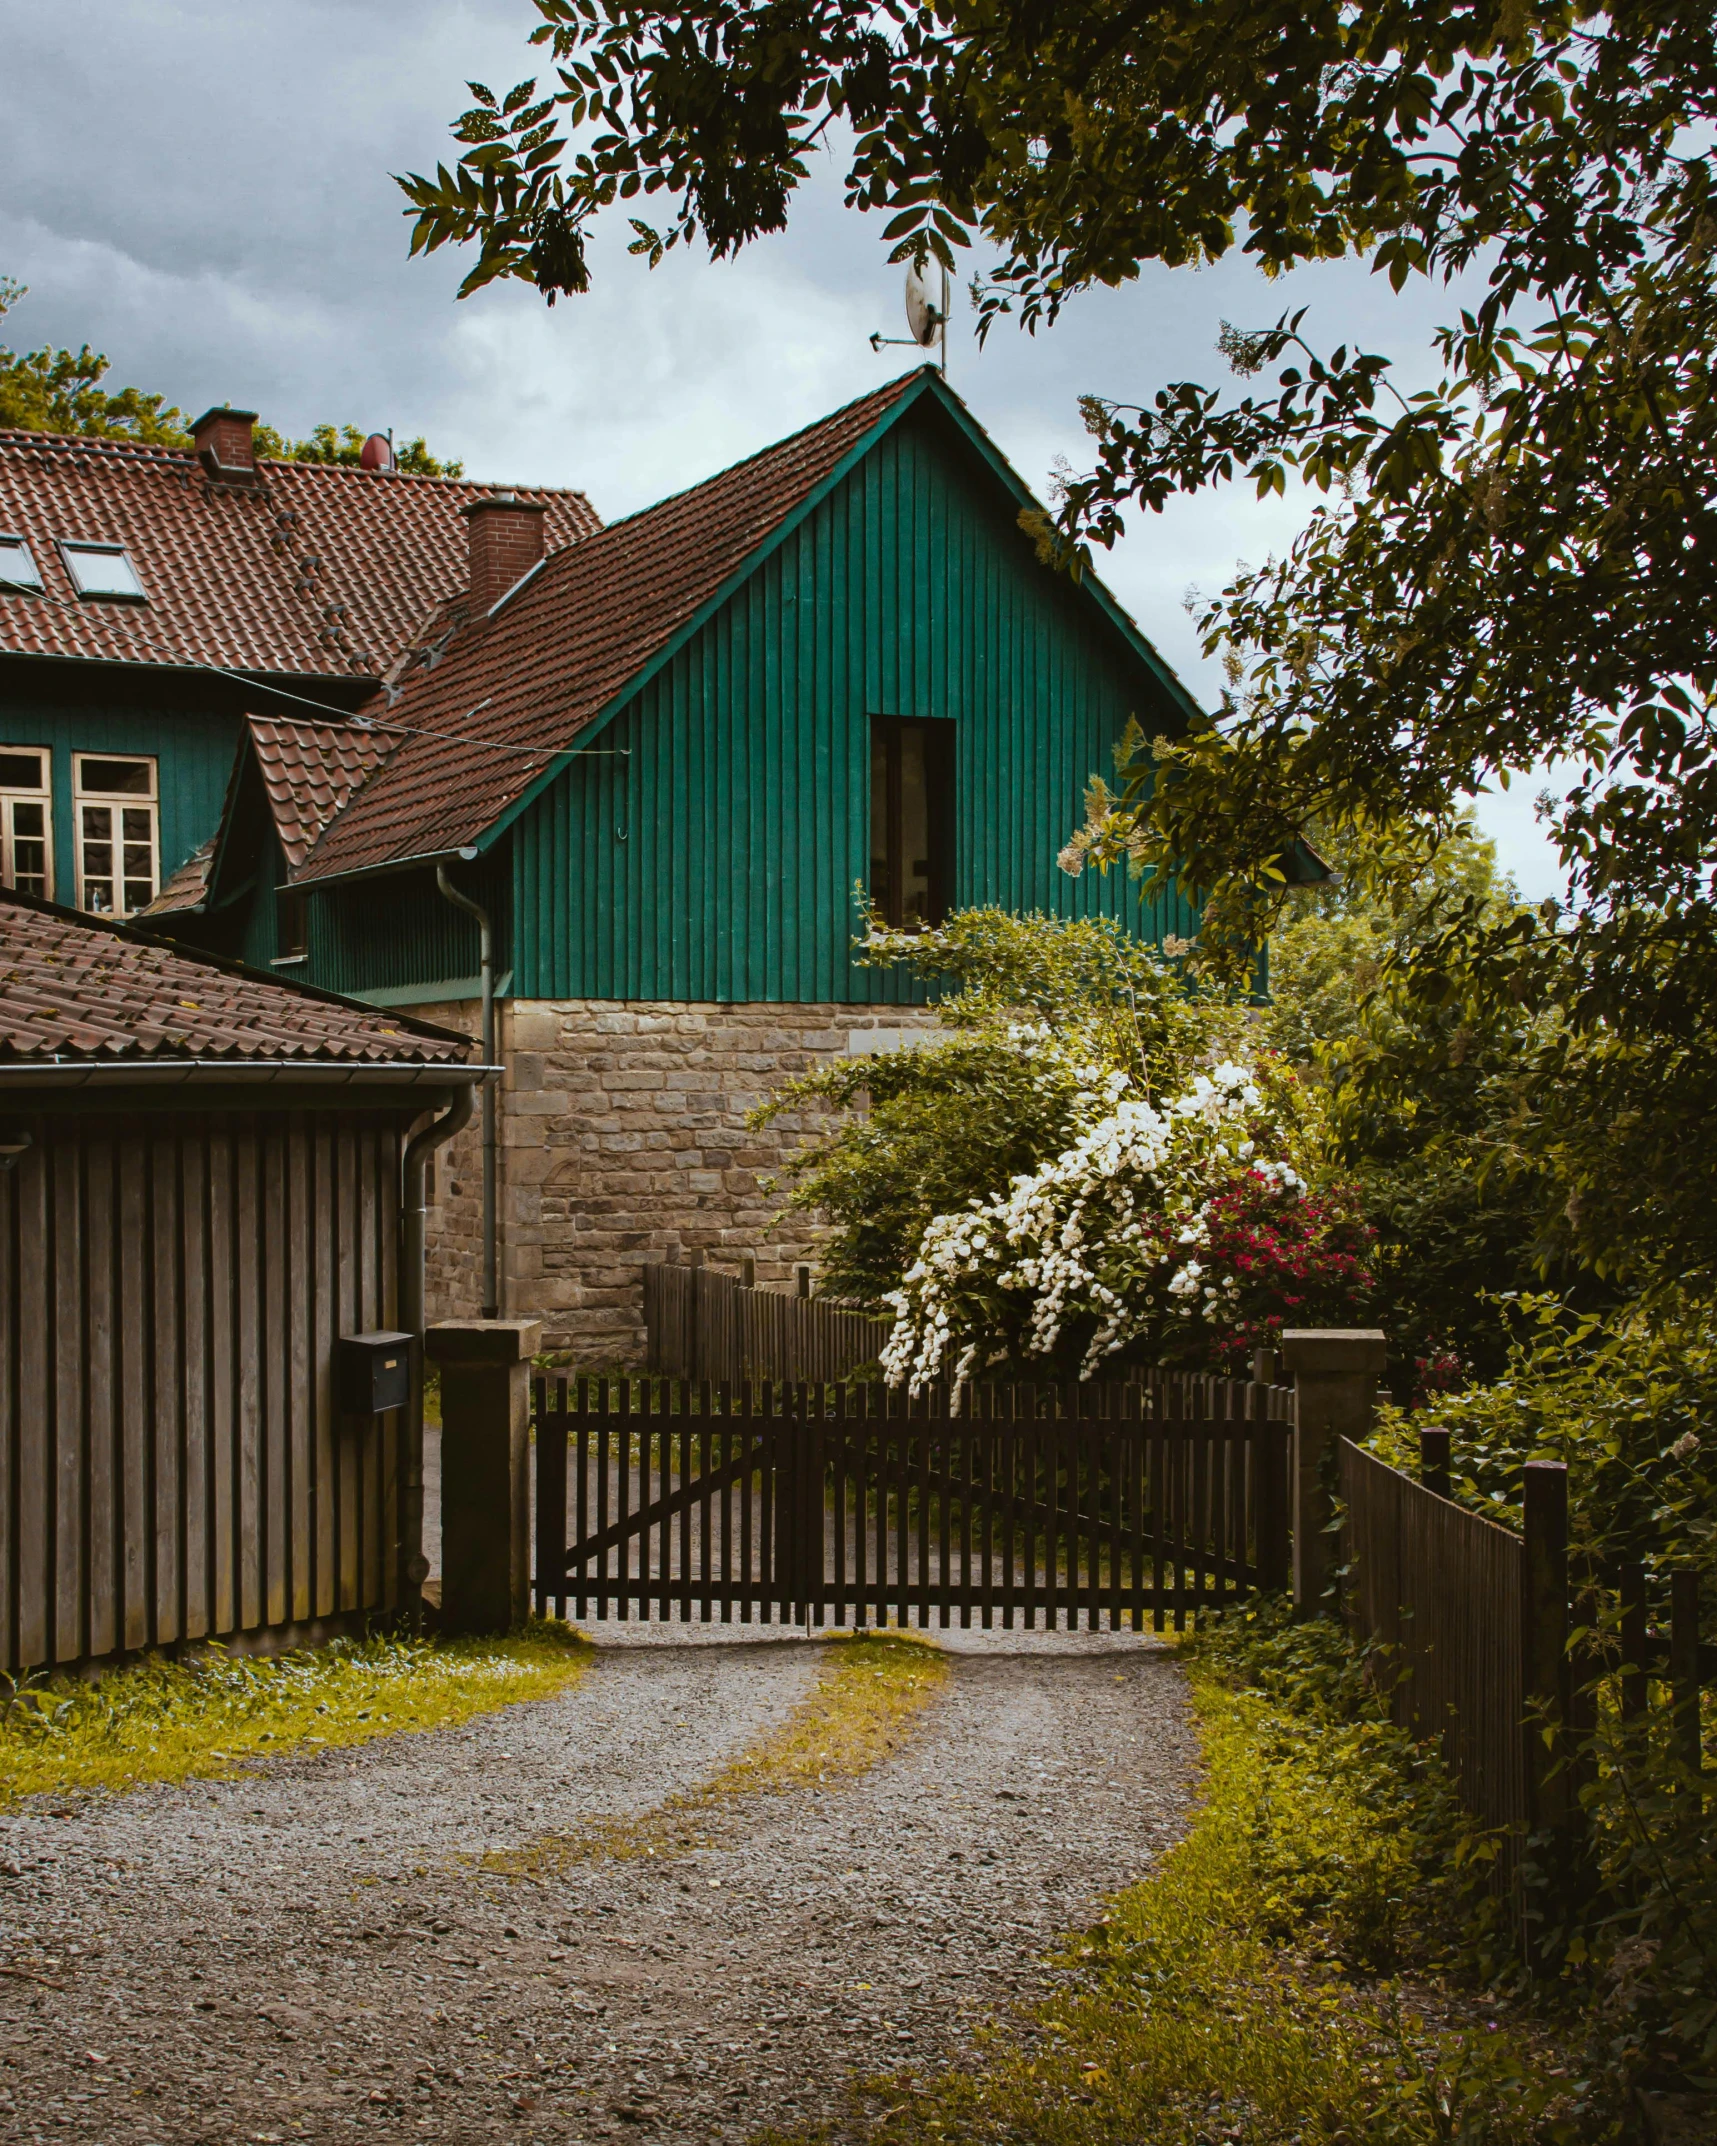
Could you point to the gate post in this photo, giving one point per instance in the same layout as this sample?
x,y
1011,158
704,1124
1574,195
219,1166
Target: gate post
x,y
1335,1373
485,1459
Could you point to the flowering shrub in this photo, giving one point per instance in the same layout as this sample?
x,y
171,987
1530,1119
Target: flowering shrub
x,y
1035,1012
1173,1232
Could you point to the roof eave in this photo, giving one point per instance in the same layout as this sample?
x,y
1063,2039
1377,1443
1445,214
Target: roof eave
x,y
61,1073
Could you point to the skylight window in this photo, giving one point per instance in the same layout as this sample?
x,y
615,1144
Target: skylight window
x,y
18,569
103,570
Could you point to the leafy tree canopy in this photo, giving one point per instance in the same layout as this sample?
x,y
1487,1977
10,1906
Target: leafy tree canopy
x,y
63,391
1511,566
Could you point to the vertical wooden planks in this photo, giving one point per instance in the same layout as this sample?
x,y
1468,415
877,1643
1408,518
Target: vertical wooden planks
x,y
102,1281
63,1251
164,1324
29,1296
322,1324
133,1396
194,1371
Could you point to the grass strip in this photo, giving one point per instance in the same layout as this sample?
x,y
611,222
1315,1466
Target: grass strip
x,y
215,1716
1272,1983
870,1687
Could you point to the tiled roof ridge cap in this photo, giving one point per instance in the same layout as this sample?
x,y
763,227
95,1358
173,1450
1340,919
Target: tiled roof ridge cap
x,y
157,451
92,443
889,388
160,942
402,476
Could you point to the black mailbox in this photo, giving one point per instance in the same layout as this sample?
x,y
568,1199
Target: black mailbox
x,y
372,1373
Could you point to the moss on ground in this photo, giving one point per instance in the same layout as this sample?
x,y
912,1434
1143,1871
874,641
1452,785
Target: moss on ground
x,y
216,1716
869,1689
1273,1983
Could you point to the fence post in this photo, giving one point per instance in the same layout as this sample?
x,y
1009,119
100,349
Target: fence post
x,y
1335,1373
485,1456
1436,1461
1552,1807
1544,1636
1684,1672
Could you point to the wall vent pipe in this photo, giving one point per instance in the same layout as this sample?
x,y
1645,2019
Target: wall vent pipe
x,y
413,1565
486,963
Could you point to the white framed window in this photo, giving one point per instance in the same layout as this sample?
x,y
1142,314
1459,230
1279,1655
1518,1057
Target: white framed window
x,y
18,568
115,811
27,819
102,570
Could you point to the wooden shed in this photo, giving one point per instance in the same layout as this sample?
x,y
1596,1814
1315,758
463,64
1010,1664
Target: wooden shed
x,y
200,1202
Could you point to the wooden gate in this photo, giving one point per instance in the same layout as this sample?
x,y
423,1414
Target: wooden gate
x,y
1038,1506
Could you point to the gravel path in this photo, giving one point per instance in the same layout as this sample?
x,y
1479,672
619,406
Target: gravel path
x,y
312,1954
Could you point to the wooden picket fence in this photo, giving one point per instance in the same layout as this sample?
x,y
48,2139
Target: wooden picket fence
x,y
1477,1626
1051,1506
705,1325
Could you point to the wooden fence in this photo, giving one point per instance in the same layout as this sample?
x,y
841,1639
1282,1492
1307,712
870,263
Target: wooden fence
x,y
1037,1505
704,1325
1479,1626
1442,1589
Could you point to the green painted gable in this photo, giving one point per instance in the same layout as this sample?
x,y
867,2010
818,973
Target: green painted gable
x,y
708,848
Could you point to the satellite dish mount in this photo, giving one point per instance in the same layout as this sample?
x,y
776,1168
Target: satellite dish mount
x,y
926,315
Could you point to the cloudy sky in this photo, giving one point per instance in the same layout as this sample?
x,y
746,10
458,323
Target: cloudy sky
x,y
202,191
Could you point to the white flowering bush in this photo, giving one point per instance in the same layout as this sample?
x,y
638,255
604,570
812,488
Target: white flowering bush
x,y
1037,1014
1166,1232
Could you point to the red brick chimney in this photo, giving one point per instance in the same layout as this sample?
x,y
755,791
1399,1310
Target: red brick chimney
x,y
506,540
225,444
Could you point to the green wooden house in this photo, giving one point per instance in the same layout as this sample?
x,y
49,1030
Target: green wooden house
x,y
150,599
660,759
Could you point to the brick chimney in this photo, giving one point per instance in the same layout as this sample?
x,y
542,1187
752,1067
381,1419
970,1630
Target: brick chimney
x,y
225,444
506,540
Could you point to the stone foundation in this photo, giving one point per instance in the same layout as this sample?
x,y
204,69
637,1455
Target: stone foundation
x,y
623,1139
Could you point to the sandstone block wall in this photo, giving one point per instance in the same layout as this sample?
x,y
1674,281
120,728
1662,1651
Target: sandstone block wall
x,y
624,1138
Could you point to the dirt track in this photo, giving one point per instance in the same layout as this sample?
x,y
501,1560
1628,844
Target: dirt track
x,y
312,1954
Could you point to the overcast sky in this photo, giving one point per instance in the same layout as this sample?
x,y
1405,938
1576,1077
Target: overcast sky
x,y
202,191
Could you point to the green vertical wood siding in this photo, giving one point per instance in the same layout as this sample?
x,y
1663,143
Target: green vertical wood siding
x,y
401,933
194,747
712,852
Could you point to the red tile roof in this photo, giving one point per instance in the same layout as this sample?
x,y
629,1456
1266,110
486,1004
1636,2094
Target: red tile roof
x,y
513,688
309,770
188,886
318,569
74,990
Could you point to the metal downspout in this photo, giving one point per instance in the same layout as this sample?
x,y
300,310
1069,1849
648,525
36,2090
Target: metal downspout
x,y
486,958
414,1566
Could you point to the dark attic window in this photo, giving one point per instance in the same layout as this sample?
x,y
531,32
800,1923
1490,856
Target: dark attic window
x,y
102,571
911,820
291,924
18,569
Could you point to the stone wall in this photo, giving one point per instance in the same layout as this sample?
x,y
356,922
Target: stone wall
x,y
624,1139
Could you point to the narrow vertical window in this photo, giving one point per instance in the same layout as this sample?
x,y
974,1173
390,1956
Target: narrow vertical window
x,y
911,820
291,926
26,821
118,834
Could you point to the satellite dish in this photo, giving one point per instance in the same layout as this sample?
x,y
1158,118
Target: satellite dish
x,y
924,315
376,452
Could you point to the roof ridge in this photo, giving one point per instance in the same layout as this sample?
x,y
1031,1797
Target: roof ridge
x,y
412,476
888,390
93,442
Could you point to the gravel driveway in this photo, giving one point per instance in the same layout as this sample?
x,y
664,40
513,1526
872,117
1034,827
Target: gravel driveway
x,y
313,1953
